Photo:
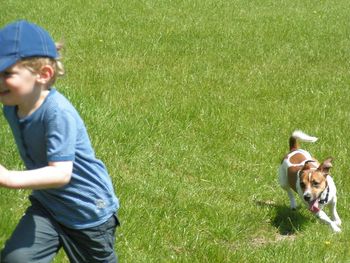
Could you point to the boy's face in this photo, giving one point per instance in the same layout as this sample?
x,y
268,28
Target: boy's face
x,y
17,84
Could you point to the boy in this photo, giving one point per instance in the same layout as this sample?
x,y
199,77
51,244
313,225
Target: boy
x,y
73,204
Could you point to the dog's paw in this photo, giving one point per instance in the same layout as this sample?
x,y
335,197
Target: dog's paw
x,y
335,228
337,222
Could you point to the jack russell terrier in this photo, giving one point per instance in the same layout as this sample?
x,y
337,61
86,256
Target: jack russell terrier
x,y
300,172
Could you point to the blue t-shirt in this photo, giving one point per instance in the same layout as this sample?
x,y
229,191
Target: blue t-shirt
x,y
53,133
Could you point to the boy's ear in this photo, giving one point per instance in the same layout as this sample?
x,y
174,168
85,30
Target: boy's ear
x,y
45,74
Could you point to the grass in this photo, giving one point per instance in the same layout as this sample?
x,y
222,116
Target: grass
x,y
190,104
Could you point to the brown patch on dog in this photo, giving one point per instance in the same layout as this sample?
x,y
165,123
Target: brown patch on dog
x,y
297,158
314,181
292,179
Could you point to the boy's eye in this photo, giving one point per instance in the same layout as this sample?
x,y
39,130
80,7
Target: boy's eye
x,y
6,73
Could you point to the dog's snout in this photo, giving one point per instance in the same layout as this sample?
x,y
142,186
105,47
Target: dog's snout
x,y
307,197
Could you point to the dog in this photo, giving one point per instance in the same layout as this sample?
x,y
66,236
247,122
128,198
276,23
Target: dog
x,y
303,174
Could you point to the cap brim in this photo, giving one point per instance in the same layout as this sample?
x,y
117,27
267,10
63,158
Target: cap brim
x,y
7,62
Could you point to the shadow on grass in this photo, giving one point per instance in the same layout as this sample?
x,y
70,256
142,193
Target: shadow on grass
x,y
286,220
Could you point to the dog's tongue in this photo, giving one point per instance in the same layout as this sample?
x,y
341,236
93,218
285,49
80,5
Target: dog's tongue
x,y
313,206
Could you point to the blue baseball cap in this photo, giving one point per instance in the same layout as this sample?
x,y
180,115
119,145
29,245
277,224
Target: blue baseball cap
x,y
22,39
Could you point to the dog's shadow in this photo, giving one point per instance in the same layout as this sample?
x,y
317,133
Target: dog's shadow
x,y
286,220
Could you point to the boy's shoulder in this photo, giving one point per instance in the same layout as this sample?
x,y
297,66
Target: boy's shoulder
x,y
57,101
58,107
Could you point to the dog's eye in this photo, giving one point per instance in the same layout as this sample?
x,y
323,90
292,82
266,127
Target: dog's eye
x,y
315,184
302,185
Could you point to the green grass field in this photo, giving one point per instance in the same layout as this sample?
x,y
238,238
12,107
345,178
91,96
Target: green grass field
x,y
190,104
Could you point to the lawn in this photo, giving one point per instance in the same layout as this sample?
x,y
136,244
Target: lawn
x,y
190,105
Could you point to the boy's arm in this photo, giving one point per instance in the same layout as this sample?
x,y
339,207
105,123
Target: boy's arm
x,y
56,174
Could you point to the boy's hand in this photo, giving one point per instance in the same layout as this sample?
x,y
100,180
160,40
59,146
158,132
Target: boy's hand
x,y
3,175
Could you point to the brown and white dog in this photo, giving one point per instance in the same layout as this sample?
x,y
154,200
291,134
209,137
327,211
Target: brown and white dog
x,y
300,172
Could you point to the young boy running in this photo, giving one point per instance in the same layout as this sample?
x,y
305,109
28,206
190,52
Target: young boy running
x,y
73,204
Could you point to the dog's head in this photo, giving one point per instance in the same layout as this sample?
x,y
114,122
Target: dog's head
x,y
313,182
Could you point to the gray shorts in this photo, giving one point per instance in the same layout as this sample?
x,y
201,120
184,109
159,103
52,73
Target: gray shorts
x,y
38,237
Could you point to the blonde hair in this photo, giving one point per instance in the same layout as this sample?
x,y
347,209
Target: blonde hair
x,y
34,64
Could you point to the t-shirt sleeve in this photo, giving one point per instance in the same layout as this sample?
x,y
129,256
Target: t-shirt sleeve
x,y
61,134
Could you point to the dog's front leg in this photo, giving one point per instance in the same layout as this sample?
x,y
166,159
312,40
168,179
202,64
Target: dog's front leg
x,y
335,216
323,216
293,203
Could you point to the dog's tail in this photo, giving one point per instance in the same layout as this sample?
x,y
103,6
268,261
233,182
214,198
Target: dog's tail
x,y
299,136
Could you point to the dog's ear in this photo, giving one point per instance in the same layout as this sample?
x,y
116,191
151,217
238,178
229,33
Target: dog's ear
x,y
326,166
308,165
